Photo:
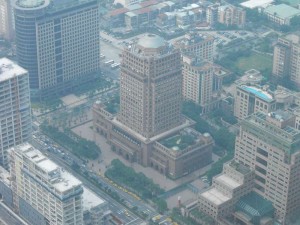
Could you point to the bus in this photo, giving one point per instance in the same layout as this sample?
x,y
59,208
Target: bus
x,y
115,65
109,62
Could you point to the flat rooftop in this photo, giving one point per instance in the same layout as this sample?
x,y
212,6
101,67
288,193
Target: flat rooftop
x,y
264,95
256,3
64,181
9,69
282,11
214,196
228,181
90,199
181,140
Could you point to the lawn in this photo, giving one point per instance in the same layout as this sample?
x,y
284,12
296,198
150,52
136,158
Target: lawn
x,y
256,61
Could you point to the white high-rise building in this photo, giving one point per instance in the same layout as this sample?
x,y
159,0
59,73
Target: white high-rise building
x,y
52,195
15,113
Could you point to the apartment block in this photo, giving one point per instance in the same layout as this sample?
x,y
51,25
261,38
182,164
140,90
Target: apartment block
x,y
269,145
231,15
15,110
286,58
250,99
6,20
197,84
58,43
50,190
200,45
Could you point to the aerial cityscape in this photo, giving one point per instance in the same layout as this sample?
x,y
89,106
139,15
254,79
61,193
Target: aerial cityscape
x,y
149,112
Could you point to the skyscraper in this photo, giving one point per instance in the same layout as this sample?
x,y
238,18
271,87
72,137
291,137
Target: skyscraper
x,y
44,193
57,42
15,112
6,27
269,145
150,112
150,87
286,58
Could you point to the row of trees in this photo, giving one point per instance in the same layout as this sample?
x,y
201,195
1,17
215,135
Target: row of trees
x,y
79,146
223,138
137,182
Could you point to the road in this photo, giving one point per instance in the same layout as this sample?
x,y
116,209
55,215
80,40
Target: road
x,y
118,210
9,217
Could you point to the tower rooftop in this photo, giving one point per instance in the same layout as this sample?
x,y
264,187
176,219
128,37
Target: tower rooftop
x,y
151,41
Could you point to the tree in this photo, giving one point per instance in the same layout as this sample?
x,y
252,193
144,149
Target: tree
x,y
161,205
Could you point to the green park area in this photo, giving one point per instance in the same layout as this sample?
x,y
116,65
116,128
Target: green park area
x,y
254,60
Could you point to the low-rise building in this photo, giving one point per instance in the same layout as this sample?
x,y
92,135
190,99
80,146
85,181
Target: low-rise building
x,y
227,188
281,14
250,99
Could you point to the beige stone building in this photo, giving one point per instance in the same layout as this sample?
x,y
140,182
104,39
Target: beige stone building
x,y
198,78
268,144
6,20
231,15
250,99
227,188
199,45
150,112
286,58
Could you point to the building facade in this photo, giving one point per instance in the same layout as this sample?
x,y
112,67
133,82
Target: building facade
x,y
286,58
268,144
150,87
250,99
53,195
58,43
219,200
197,85
6,20
231,15
150,112
15,110
201,46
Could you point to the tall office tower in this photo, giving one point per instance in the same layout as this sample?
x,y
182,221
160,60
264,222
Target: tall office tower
x,y
197,84
269,144
44,193
250,99
58,43
150,87
200,45
15,112
6,27
286,58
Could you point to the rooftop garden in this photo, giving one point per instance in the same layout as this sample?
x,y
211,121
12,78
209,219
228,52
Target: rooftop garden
x,y
113,105
179,141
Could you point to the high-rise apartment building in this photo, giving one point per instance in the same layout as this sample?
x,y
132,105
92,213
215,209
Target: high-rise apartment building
x,y
269,145
15,111
197,85
44,193
231,15
212,14
286,58
200,45
250,99
6,26
150,87
58,43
